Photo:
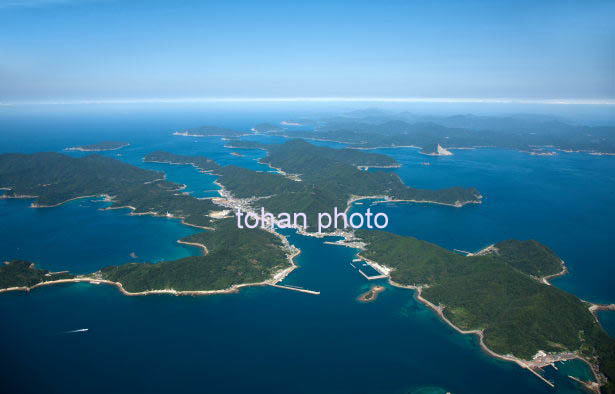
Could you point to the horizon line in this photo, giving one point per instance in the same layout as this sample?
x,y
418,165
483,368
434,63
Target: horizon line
x,y
443,100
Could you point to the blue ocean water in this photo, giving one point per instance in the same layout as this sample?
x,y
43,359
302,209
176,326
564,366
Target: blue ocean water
x,y
273,340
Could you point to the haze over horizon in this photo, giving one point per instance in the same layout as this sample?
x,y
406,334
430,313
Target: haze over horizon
x,y
105,50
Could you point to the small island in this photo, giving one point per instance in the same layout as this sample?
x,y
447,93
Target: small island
x,y
371,294
99,147
266,128
210,131
202,163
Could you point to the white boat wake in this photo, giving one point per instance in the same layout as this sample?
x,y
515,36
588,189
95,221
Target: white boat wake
x,y
76,331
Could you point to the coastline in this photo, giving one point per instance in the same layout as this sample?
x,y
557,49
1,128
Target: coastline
x,y
352,145
82,149
386,199
279,276
537,362
564,271
225,197
179,164
531,366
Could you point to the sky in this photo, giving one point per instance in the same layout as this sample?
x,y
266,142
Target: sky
x,y
54,50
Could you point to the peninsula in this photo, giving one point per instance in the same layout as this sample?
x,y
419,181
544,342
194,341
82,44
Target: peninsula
x,y
100,147
314,179
202,163
499,295
537,135
53,179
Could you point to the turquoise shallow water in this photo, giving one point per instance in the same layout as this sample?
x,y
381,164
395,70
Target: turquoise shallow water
x,y
272,340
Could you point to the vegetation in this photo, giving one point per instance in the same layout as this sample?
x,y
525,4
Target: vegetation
x,y
520,132
211,131
282,156
101,146
235,256
54,178
530,257
200,162
19,273
246,183
266,128
519,315
237,143
329,177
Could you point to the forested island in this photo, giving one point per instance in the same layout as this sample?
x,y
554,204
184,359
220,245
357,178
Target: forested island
x,y
369,129
323,178
327,178
19,274
496,294
100,147
501,293
200,162
232,257
529,133
53,179
210,131
266,128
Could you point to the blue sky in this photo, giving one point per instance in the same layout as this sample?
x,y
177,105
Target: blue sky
x,y
105,49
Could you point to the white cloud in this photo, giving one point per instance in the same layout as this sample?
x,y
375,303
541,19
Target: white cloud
x,y
321,100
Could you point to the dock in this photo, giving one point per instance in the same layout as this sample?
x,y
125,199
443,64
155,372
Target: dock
x,y
372,277
296,288
550,383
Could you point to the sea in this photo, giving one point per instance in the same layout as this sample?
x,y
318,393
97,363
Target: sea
x,y
86,338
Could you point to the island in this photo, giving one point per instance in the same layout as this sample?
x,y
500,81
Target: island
x,y
266,128
202,163
99,147
210,131
313,179
537,135
500,295
232,257
23,275
371,294
52,179
328,178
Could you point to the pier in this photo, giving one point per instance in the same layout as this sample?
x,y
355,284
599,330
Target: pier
x,y
295,288
550,383
381,276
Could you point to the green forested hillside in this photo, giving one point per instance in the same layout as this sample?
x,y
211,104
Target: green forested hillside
x,y
200,162
530,257
19,273
519,315
235,256
54,178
